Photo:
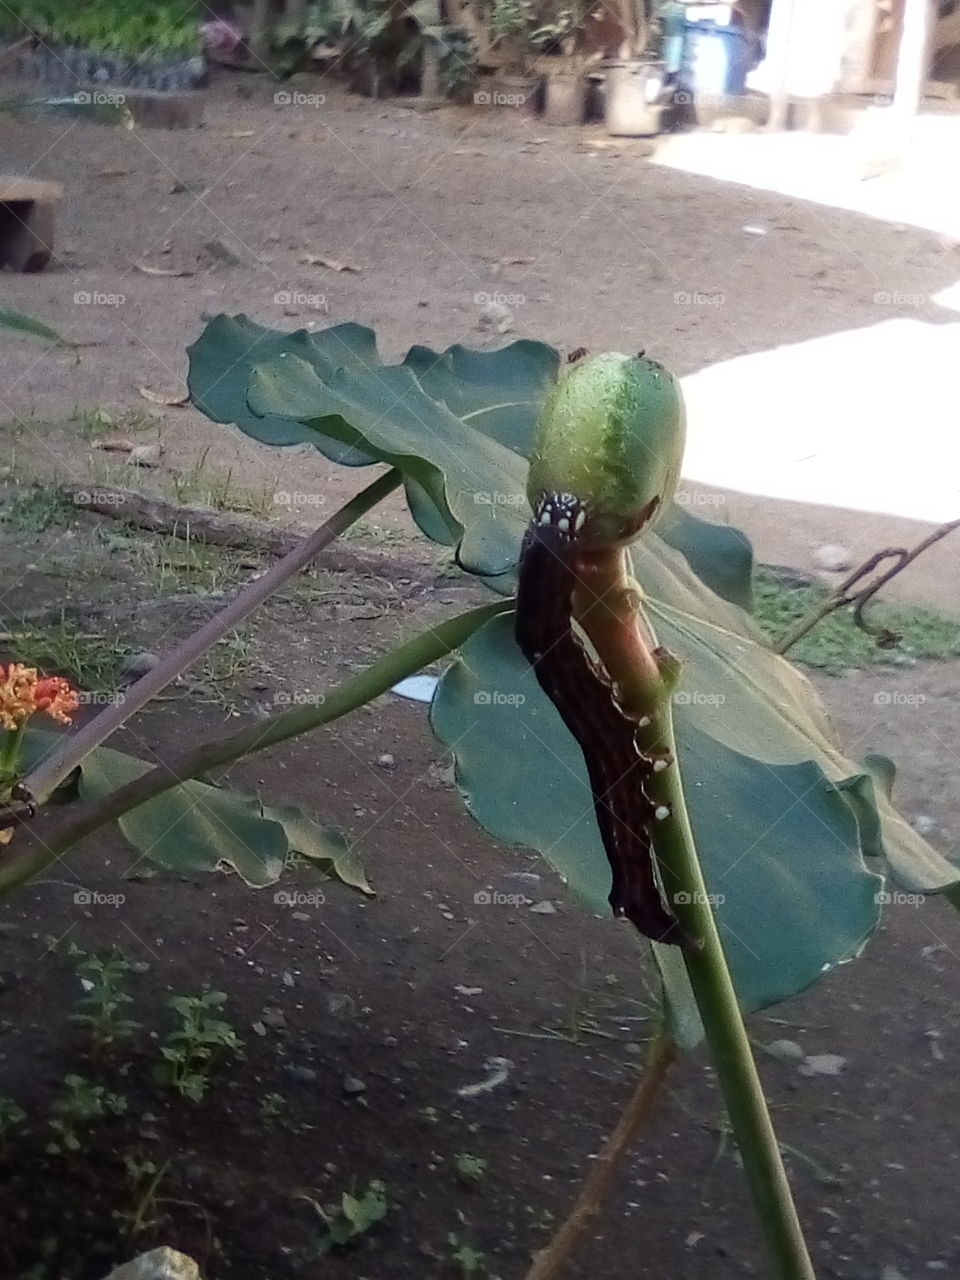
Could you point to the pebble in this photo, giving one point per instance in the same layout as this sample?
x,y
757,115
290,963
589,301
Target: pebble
x,y
923,824
135,665
786,1050
833,557
352,1086
386,761
306,1075
545,908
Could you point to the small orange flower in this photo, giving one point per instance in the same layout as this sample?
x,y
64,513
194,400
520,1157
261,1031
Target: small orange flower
x,y
23,693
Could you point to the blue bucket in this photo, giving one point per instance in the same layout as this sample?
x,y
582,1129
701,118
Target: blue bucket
x,y
715,59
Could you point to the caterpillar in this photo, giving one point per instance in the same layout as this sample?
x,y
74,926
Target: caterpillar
x,y
583,695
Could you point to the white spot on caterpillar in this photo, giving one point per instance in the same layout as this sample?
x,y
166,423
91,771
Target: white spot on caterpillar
x,y
661,811
563,524
660,764
578,523
644,722
547,516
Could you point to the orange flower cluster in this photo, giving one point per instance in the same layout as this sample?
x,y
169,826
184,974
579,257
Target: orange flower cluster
x,y
23,693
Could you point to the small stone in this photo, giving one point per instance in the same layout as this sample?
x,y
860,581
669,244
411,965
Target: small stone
x,y
822,1064
386,761
135,665
274,1019
832,557
144,455
786,1050
306,1075
352,1086
158,1264
299,915
545,908
287,978
258,1029
923,824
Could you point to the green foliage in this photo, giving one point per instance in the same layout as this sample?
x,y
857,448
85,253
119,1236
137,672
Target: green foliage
x,y
18,322
159,28
836,643
36,509
470,1168
192,1049
77,1109
470,1261
104,999
354,1217
752,735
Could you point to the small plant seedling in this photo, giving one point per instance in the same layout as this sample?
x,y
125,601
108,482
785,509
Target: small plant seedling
x,y
80,1105
144,1177
470,1261
273,1107
192,1049
355,1216
104,999
12,1116
470,1168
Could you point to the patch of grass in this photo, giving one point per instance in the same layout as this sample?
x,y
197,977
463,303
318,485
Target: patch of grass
x,y
837,643
36,509
208,487
92,659
94,421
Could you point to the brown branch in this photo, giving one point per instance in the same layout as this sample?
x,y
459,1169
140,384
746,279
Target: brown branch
x,y
551,1261
844,594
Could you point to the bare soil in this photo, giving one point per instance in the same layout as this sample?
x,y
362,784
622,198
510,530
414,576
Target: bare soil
x,y
413,992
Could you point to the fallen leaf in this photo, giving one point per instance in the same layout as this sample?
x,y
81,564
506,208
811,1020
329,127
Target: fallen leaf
x,y
114,173
319,260
159,271
241,133
175,399
145,455
465,151
115,444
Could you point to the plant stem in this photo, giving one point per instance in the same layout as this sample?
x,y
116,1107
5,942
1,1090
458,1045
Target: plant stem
x,y
607,604
61,762
399,663
550,1262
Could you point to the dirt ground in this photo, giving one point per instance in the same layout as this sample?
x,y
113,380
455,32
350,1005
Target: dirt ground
x,y
411,993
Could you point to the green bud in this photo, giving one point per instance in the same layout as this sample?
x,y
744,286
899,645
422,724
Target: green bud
x,y
611,434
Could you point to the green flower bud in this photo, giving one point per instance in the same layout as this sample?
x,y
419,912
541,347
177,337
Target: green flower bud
x,y
611,435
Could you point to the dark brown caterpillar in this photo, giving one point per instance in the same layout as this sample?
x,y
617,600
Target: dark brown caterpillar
x,y
583,695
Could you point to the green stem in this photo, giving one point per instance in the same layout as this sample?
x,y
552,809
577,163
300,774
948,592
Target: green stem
x,y
607,604
47,847
10,755
70,751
